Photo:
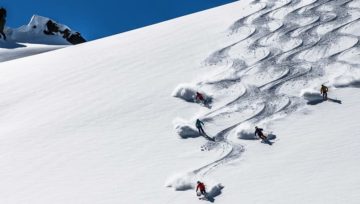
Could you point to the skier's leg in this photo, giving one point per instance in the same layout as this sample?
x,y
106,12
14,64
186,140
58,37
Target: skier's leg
x,y
202,130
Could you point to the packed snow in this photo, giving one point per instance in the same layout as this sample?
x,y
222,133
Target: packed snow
x,y
115,123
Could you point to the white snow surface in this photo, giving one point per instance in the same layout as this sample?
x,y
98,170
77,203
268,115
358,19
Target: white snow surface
x,y
112,120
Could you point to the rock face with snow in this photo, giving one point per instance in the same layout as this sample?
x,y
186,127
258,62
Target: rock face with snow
x,y
40,35
42,30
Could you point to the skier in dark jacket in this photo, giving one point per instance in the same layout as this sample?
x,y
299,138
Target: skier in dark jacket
x,y
2,22
258,131
324,89
199,124
201,186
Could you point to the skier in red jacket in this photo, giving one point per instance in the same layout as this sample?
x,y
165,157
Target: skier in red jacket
x,y
201,186
199,97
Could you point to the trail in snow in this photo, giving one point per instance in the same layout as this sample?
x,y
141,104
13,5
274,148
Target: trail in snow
x,y
273,55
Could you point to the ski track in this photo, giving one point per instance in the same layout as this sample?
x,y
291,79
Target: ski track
x,y
282,36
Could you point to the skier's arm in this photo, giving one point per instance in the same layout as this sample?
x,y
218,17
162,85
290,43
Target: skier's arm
x,y
202,122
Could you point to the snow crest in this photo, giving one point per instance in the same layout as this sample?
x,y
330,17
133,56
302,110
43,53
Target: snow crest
x,y
33,32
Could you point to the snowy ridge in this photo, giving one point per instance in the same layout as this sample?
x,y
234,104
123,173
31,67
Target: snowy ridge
x,y
33,32
30,39
274,57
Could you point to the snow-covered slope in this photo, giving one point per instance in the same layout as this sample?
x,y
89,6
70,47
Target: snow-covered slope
x,y
13,50
30,39
313,160
98,123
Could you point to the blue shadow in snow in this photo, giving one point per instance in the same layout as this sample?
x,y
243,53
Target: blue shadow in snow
x,y
318,101
214,192
10,44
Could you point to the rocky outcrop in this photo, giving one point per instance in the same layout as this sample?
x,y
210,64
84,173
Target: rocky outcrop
x,y
42,30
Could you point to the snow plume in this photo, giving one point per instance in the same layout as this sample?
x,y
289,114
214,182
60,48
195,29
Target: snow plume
x,y
187,92
185,130
245,131
310,94
187,181
182,182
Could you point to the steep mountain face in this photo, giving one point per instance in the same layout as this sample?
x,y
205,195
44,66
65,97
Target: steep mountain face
x,y
42,30
40,35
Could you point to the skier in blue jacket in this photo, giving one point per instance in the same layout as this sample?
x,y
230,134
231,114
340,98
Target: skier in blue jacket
x,y
199,124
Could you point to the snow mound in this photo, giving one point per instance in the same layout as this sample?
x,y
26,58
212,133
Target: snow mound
x,y
182,182
187,92
245,131
184,130
188,181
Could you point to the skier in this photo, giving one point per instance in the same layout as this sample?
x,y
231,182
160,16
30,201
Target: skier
x,y
199,124
324,91
199,97
258,131
2,22
201,186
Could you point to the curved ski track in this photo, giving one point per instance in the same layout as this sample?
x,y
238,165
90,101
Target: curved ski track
x,y
285,32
